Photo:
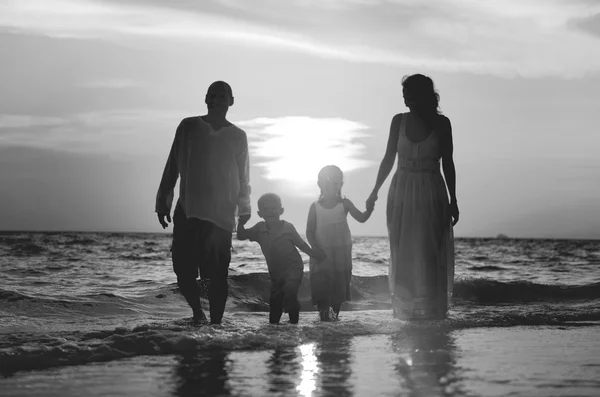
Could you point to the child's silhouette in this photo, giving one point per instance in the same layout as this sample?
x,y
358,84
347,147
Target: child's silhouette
x,y
327,229
278,240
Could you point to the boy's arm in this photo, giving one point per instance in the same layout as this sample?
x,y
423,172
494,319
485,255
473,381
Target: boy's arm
x,y
299,242
164,196
243,163
247,234
361,217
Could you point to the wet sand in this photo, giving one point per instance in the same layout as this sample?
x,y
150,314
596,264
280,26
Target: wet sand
x,y
520,361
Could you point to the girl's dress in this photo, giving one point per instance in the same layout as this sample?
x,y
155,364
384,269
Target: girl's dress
x,y
419,225
330,278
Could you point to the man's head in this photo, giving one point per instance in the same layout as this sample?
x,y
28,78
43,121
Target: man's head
x,y
219,97
269,207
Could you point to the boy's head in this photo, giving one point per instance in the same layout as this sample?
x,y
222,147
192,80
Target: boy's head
x,y
219,97
269,207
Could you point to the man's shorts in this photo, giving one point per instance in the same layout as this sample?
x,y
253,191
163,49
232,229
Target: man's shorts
x,y
199,246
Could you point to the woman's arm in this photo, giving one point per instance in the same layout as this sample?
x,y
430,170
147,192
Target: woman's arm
x,y
448,166
388,159
361,217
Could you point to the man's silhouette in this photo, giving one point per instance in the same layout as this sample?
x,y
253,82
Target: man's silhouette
x,y
210,155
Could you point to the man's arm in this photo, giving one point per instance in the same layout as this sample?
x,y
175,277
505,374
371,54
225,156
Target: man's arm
x,y
243,160
164,196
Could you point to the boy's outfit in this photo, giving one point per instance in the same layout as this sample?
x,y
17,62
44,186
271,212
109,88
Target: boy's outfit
x,y
214,171
286,268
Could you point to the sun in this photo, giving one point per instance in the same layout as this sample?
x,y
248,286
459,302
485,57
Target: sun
x,y
292,150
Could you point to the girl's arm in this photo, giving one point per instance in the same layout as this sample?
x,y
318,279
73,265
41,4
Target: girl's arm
x,y
313,252
448,167
361,217
388,159
311,227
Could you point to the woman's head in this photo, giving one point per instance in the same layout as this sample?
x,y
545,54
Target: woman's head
x,y
420,94
330,180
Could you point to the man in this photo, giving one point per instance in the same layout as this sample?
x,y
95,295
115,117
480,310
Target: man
x,y
210,154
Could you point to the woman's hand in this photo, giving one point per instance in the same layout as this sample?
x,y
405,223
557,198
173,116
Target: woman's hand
x,y
370,204
454,212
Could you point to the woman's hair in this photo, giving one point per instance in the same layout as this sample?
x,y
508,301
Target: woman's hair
x,y
328,174
422,89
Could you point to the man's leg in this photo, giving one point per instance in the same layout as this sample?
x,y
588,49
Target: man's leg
x,y
185,261
215,266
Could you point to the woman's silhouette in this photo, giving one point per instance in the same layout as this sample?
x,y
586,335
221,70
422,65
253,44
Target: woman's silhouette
x,y
419,215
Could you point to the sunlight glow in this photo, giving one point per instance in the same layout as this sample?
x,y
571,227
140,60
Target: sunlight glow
x,y
310,368
294,149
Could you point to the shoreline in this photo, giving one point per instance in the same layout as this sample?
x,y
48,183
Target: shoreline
x,y
521,360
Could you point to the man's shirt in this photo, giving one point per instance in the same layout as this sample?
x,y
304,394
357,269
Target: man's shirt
x,y
214,170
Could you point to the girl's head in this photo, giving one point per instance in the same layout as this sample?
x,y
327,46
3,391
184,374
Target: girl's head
x,y
420,95
330,180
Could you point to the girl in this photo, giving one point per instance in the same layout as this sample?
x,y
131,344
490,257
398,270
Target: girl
x,y
327,229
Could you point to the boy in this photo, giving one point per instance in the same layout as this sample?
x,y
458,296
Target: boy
x,y
278,240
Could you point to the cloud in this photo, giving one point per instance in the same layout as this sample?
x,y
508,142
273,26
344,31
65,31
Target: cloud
x,y
19,121
110,84
137,131
590,24
531,38
293,149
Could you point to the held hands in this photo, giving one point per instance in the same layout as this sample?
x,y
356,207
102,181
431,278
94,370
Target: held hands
x,y
243,219
371,201
161,220
319,254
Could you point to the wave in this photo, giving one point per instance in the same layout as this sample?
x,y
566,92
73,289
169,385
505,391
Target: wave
x,y
492,291
239,331
250,292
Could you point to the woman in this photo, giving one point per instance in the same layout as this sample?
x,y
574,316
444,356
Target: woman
x,y
419,215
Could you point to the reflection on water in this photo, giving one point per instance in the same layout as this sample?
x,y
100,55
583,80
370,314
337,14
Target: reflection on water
x,y
419,362
336,363
203,374
426,362
310,368
283,369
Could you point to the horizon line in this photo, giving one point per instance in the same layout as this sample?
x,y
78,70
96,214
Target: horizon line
x,y
500,236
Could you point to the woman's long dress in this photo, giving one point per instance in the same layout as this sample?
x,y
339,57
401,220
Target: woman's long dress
x,y
419,225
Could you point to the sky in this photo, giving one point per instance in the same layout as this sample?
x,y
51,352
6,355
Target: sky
x,y
93,90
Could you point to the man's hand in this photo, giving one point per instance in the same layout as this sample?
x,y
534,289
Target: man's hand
x,y
161,220
244,219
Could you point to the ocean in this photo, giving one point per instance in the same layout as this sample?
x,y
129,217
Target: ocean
x,y
100,314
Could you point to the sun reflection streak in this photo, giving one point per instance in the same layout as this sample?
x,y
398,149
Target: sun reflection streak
x,y
310,368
